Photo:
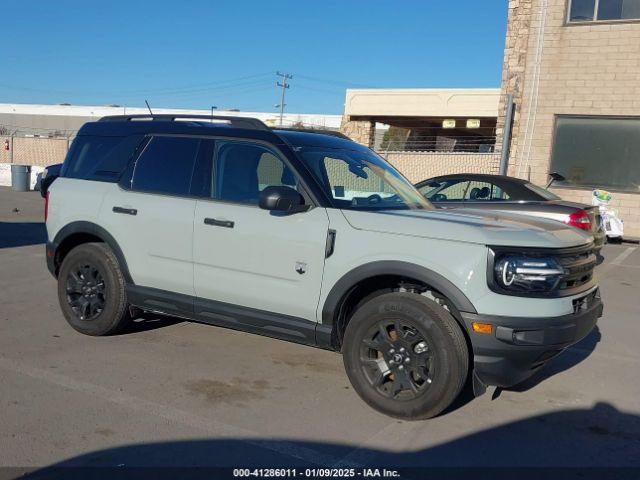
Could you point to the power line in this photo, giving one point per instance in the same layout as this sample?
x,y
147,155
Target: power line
x,y
322,90
284,85
337,83
184,88
223,89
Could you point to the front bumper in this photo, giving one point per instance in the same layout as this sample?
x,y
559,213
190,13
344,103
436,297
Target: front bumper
x,y
518,346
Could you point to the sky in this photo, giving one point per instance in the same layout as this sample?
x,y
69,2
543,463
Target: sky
x,y
225,53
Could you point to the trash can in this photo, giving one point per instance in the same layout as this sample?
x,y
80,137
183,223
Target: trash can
x,y
20,178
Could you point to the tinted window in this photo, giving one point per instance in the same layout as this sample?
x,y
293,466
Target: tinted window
x,y
581,10
166,165
243,170
598,152
100,158
586,10
618,9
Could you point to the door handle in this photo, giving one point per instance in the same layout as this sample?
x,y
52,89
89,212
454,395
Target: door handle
x,y
219,223
126,211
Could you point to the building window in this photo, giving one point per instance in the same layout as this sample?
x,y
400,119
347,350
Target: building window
x,y
603,10
598,152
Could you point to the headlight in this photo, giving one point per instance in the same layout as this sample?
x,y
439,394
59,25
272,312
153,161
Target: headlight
x,y
520,274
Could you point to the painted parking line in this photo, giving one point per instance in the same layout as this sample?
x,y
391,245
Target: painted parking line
x,y
623,256
172,414
616,262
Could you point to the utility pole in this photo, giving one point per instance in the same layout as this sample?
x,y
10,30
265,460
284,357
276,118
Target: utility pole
x,y
284,85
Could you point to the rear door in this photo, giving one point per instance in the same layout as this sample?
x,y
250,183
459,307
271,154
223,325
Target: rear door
x,y
150,214
249,257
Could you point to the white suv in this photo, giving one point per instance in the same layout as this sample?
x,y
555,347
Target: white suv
x,y
312,238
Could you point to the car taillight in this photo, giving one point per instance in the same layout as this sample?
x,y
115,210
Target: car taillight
x,y
579,219
46,206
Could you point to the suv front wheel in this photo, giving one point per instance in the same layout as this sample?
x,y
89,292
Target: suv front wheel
x,y
91,290
405,355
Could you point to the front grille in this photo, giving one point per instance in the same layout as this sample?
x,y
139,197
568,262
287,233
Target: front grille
x,y
578,266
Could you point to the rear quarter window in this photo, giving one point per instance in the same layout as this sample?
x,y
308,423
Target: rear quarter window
x,y
93,157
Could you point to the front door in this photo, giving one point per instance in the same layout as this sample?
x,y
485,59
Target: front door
x,y
250,257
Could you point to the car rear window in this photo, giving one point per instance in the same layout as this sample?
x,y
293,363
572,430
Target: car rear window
x,y
100,158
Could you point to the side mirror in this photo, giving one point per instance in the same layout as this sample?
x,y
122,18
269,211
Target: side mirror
x,y
49,174
555,177
282,199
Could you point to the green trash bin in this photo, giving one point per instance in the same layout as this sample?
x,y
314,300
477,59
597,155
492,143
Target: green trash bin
x,y
20,178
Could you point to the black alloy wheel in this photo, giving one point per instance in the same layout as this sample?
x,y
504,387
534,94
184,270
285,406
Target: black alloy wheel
x,y
397,359
92,291
86,291
405,355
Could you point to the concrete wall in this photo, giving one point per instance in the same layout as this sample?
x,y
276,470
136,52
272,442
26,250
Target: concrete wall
x,y
553,69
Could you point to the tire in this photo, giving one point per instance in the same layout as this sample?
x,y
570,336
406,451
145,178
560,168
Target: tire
x,y
91,290
424,378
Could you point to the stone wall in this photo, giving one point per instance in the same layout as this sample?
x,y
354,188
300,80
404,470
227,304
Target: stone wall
x,y
514,63
555,69
361,131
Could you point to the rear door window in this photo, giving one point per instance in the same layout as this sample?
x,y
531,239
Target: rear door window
x,y
166,166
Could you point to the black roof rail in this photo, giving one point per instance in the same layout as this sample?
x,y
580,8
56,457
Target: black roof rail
x,y
333,133
239,122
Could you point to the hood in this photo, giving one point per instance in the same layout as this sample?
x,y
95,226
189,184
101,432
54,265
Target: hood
x,y
471,226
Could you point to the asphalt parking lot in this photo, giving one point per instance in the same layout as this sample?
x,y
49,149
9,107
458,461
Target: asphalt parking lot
x,y
177,393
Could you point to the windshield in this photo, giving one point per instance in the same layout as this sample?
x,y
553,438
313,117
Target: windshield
x,y
543,192
360,180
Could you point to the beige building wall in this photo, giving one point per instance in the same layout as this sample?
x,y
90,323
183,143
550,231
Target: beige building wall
x,y
553,69
417,166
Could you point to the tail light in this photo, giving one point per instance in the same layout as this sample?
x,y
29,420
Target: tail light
x,y
579,219
46,206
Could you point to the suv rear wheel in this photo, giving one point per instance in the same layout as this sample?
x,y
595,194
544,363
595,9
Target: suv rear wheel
x,y
91,290
405,355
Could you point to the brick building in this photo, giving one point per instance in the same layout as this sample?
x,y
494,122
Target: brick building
x,y
573,67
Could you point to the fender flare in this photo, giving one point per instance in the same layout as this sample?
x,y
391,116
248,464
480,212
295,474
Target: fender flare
x,y
392,267
102,234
